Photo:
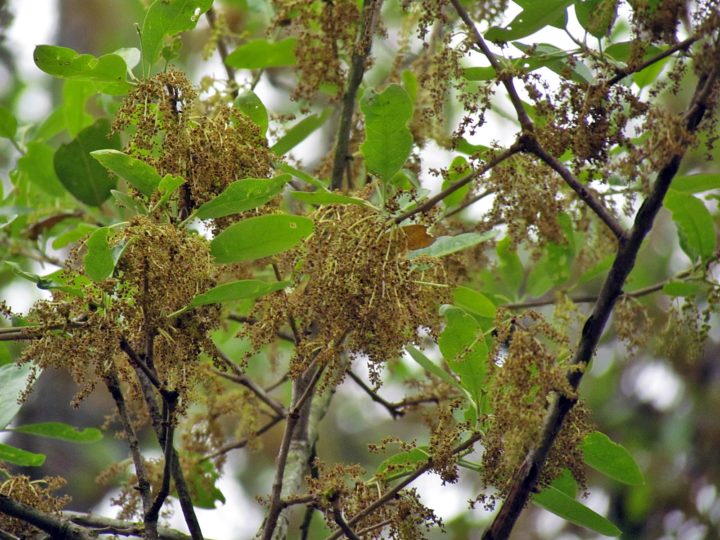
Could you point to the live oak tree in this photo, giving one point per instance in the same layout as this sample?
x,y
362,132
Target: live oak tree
x,y
218,288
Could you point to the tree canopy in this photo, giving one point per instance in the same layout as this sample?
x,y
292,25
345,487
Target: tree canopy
x,y
325,253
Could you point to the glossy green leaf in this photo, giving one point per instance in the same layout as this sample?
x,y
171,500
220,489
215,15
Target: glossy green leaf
x,y
13,381
463,346
695,225
479,73
85,178
446,245
388,140
560,504
432,367
682,288
108,70
259,237
326,197
135,206
611,459
299,132
243,195
100,256
696,183
401,464
261,53
237,290
167,18
251,106
78,232
8,124
558,60
474,302
76,93
37,164
141,175
534,17
20,457
596,16
58,430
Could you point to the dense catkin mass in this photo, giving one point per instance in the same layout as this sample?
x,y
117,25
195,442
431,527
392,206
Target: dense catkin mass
x,y
354,284
209,143
161,269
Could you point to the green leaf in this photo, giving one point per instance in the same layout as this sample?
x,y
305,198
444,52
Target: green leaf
x,y
13,381
410,84
261,53
297,173
202,485
446,245
100,257
81,230
458,170
560,504
401,464
535,16
682,288
75,96
108,70
479,73
695,225
237,290
474,302
141,175
250,105
126,201
558,60
85,178
243,195
388,140
326,197
432,367
8,124
696,183
259,237
299,132
463,346
20,457
611,459
510,268
37,164
58,430
596,16
167,18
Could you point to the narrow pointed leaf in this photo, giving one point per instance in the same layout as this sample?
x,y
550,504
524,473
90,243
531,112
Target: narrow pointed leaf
x,y
560,504
20,457
611,459
259,237
432,367
13,381
237,290
243,195
299,132
8,124
446,245
58,430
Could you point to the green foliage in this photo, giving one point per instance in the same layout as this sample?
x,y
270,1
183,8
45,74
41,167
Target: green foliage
x,y
61,431
260,54
141,175
388,140
695,225
279,232
82,176
611,459
242,195
299,132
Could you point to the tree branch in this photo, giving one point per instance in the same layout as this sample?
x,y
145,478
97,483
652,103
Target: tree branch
x,y
119,527
391,493
527,475
361,52
622,73
58,528
149,520
432,201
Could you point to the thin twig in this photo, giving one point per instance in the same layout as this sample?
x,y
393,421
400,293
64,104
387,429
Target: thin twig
x,y
344,527
143,484
253,387
622,73
361,52
243,442
527,475
168,453
391,493
223,51
118,526
56,527
469,202
390,407
432,201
